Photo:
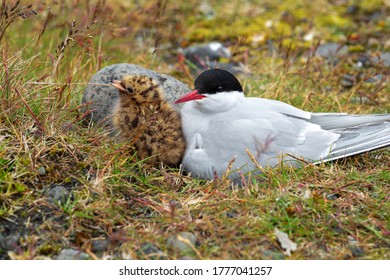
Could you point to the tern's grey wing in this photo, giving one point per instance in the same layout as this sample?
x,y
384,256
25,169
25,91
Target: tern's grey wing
x,y
360,139
266,138
341,120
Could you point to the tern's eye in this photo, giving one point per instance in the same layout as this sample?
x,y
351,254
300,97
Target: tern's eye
x,y
219,89
129,89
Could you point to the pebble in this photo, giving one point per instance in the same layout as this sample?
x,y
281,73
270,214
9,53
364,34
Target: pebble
x,y
100,97
72,254
41,171
9,242
150,251
347,81
269,254
99,245
231,214
375,79
384,59
333,196
58,195
364,61
356,250
212,51
331,51
205,56
182,242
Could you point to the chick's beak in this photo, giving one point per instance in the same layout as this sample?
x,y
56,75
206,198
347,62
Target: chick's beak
x,y
193,95
118,85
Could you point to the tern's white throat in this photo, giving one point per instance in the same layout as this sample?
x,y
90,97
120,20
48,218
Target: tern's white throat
x,y
218,102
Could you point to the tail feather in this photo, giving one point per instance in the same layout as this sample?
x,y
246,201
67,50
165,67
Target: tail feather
x,y
330,121
360,139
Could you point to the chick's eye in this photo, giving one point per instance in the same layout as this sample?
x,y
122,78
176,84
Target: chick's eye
x,y
219,89
129,89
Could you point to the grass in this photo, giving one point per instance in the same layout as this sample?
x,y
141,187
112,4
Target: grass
x,y
336,210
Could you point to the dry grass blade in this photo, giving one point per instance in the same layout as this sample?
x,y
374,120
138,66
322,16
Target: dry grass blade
x,y
49,17
9,15
60,50
30,110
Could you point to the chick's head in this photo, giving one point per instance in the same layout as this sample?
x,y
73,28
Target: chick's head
x,y
140,88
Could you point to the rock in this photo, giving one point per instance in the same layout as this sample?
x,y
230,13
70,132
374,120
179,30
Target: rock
x,y
356,250
207,56
183,242
41,171
58,195
364,60
331,52
352,9
333,196
376,79
384,59
151,251
100,97
273,255
231,214
99,245
72,254
10,242
213,51
348,81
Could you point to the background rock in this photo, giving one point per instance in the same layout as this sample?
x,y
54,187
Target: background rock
x,y
205,56
72,254
182,242
100,97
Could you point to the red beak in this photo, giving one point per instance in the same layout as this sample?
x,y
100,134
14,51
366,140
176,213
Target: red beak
x,y
193,95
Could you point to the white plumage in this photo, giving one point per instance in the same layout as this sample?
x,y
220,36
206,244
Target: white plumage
x,y
221,124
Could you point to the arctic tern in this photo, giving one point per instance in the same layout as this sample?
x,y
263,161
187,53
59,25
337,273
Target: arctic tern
x,y
224,130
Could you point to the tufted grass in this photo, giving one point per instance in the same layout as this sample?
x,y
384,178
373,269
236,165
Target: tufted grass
x,y
337,210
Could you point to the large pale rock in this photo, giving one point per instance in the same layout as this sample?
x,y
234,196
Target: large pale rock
x,y
100,97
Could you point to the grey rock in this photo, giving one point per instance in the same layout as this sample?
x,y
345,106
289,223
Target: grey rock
x,y
273,255
100,97
182,242
356,250
360,100
376,79
348,81
150,251
99,245
41,171
333,196
9,242
330,50
205,56
212,51
72,254
58,195
383,59
231,214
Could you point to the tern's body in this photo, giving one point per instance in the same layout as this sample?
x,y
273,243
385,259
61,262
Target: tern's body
x,y
220,124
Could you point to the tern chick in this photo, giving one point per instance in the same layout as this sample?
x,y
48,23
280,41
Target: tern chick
x,y
145,119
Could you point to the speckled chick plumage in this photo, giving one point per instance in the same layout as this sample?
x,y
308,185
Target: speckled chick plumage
x,y
144,119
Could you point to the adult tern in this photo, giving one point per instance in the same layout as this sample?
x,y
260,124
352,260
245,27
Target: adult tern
x,y
223,128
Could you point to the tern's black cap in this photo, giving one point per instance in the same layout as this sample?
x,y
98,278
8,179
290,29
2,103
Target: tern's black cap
x,y
216,80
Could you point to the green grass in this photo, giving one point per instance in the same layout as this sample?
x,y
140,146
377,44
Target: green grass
x,y
337,210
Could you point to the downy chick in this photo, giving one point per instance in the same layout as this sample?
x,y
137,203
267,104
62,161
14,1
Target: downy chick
x,y
145,119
